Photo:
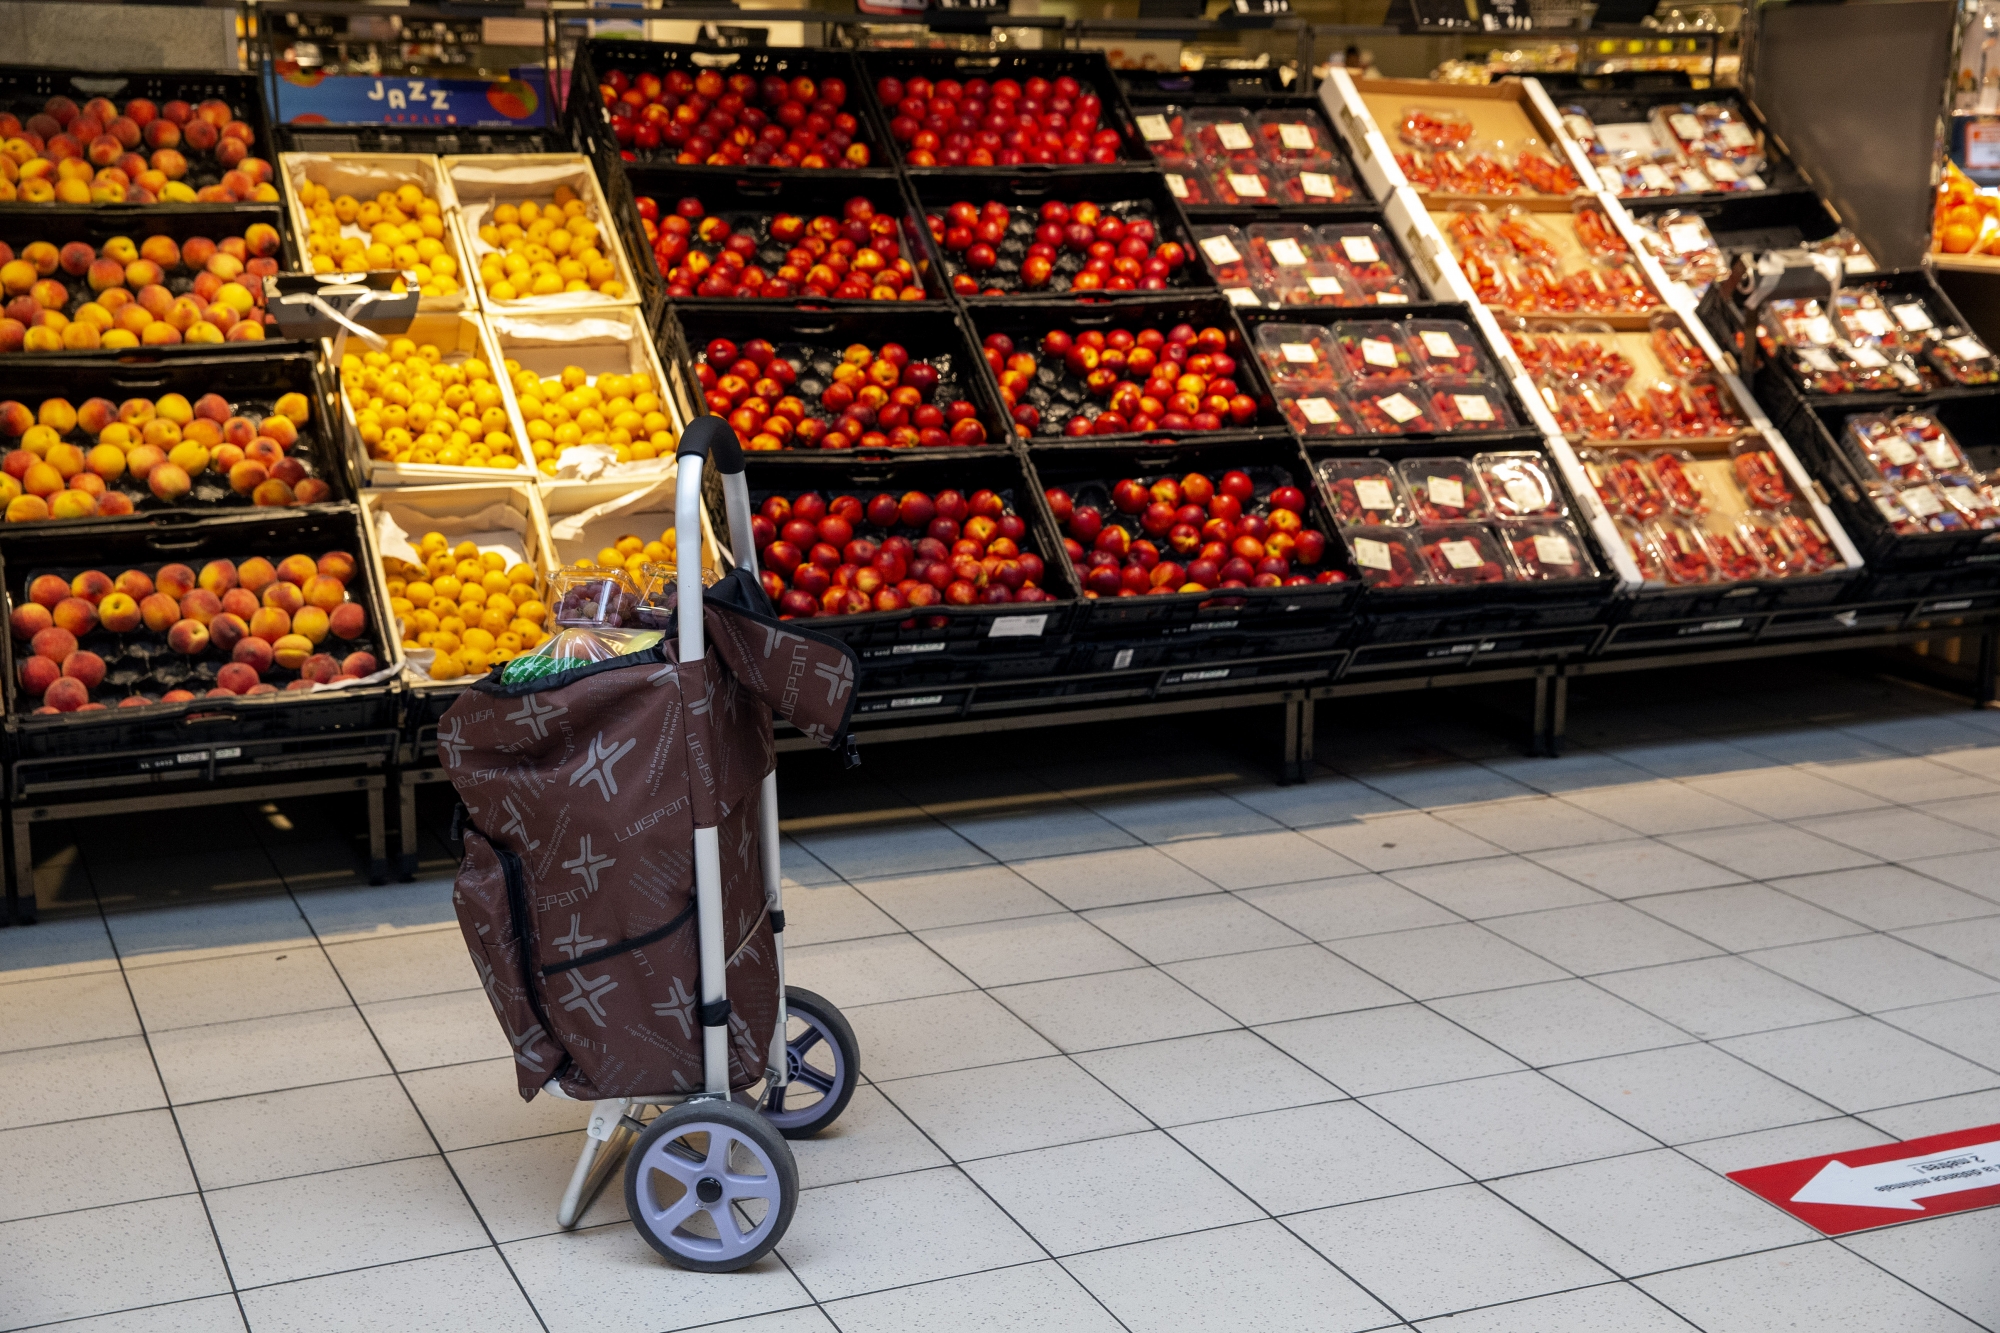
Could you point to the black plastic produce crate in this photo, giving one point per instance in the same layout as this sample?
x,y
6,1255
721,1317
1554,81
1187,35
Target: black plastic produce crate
x,y
1474,639
966,633
96,224
1088,68
1089,476
814,340
1127,196
1785,213
1200,643
25,89
590,121
123,744
251,384
1701,614
751,203
1213,86
1057,394
442,140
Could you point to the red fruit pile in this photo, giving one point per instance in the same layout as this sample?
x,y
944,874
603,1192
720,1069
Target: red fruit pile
x,y
1195,535
66,154
258,617
1179,380
993,249
855,257
876,399
846,558
705,119
1004,123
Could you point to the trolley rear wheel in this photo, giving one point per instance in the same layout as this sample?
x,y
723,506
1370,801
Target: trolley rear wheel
x,y
711,1186
823,1065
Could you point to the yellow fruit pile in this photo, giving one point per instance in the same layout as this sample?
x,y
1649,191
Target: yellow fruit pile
x,y
411,407
466,604
544,250
621,411
397,229
633,554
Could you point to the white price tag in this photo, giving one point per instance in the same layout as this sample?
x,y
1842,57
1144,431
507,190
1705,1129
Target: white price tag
x,y
1967,349
1687,237
1176,186
1859,264
1819,329
1154,129
1913,317
1445,492
1921,501
1629,137
1897,450
1233,137
1400,409
1286,252
1374,493
1018,627
1940,455
1474,407
1655,178
1685,126
1524,495
1612,179
1461,554
1299,354
1738,135
1867,357
1296,137
1753,182
1554,550
1371,554
1324,286
1819,359
1440,344
1320,412
1247,187
1317,184
1377,352
1391,298
1875,323
1221,250
1360,250
1242,296
1693,181
1718,169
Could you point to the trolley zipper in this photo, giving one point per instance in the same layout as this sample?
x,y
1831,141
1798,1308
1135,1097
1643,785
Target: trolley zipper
x,y
517,907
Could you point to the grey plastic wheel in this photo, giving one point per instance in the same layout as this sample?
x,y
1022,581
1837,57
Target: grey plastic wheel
x,y
816,1037
711,1186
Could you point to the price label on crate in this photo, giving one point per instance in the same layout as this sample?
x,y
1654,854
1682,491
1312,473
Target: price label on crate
x,y
991,6
1260,8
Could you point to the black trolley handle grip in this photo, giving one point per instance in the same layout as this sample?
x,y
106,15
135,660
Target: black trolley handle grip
x,y
713,440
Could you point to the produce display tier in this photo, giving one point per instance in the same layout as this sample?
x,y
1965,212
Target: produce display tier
x,y
1153,100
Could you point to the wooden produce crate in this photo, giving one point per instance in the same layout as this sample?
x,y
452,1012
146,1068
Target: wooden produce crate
x,y
365,175
480,184
460,337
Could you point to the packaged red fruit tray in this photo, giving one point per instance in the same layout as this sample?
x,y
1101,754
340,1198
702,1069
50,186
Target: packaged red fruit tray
x,y
1295,136
1445,490
1374,353
994,249
806,396
1248,185
1962,358
1734,553
1680,552
1124,380
1465,553
977,122
1196,534
1278,246
1437,128
1186,183
1546,550
858,255
1317,410
1315,285
1760,475
1521,485
1391,410
1370,258
1468,404
1938,446
1366,493
1323,183
137,152
1224,137
1678,353
1388,558
1977,502
1674,470
1298,352
1791,541
853,554
706,118
1882,448
1445,347
1225,251
1164,132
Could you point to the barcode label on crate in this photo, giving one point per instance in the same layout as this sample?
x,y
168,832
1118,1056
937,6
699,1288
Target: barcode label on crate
x,y
1018,627
1121,659
917,701
911,649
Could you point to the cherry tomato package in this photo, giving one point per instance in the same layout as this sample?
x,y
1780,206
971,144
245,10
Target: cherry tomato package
x,y
1223,135
1521,485
1374,353
1468,404
1445,490
1294,135
1299,352
1546,550
1317,409
1186,183
1391,409
1388,558
1465,553
1445,347
1370,258
1366,492
1164,132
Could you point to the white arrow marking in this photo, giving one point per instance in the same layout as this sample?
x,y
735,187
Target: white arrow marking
x,y
1901,1183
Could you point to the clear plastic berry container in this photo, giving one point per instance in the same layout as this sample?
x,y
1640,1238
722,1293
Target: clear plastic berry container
x,y
1316,183
1244,185
1760,476
1546,550
1436,128
1294,135
1279,246
1962,358
1387,558
1366,492
1317,410
1465,553
1674,470
1680,552
1223,135
1225,252
1186,183
1445,347
1733,549
1445,490
1937,445
1880,446
1164,132
1370,258
1300,353
1374,353
1315,284
1392,409
1468,405
1521,485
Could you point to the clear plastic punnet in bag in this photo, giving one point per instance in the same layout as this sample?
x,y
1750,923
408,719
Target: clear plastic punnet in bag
x,y
598,617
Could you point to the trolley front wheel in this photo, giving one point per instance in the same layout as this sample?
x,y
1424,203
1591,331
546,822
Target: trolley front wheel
x,y
711,1186
823,1065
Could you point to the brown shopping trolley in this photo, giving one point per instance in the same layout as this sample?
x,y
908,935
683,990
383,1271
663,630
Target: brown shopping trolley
x,y
620,896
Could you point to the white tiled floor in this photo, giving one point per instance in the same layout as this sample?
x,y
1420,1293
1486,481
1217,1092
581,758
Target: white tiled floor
x,y
1447,1040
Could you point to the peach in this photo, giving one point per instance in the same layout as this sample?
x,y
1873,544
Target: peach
x,y
159,334
95,414
234,247
270,623
289,470
297,569
312,622
15,419
136,412
197,251
48,589
133,318
114,504
176,696
158,612
256,654
212,407
261,239
67,459
121,248
13,335
175,408
227,630
204,333
292,651
279,430
42,480
27,509
54,643
234,184
284,596
176,581
239,431
82,336
294,407
312,491
16,464
317,669
76,258
230,152
155,301
188,638
135,701
43,255
76,615
89,483
236,677
189,457
261,450
73,504
200,604
272,493
134,583
141,460
222,457
67,695
246,477
29,619
255,574
168,482
118,613
106,462
92,585
104,274
162,134
85,666
205,433
324,593
349,620
43,338
143,273
114,300
50,295
237,297
37,674
218,576
358,664
94,312
39,440
183,315
240,602
57,415
224,266
337,565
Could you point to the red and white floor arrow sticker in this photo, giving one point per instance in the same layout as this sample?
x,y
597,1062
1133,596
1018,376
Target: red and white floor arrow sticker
x,y
1875,1187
